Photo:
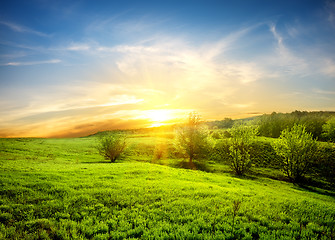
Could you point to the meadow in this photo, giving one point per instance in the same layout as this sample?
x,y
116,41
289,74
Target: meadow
x,y
63,189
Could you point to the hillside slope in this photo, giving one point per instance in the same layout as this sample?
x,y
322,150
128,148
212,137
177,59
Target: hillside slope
x,y
53,199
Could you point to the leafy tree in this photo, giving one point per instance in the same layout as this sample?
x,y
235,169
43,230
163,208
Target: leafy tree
x,y
112,145
329,130
192,137
298,149
242,137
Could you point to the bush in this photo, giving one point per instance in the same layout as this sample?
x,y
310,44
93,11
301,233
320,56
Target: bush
x,y
112,145
298,150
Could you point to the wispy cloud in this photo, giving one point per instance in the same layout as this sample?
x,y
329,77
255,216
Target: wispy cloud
x,y
62,100
121,100
197,66
23,46
79,47
23,29
52,61
328,67
285,61
319,91
277,36
213,49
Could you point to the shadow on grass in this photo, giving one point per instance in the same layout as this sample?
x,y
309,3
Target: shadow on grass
x,y
270,175
96,162
247,176
307,188
309,184
195,165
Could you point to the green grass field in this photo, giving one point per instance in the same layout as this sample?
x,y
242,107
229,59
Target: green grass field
x,y
63,189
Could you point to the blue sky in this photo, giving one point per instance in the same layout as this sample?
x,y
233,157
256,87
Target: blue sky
x,y
69,68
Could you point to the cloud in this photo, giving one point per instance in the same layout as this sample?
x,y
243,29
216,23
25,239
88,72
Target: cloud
x,y
51,102
277,36
324,92
298,59
22,29
328,67
70,118
79,47
198,67
93,127
51,61
285,61
214,49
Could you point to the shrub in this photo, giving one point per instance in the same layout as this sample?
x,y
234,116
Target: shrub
x,y
298,150
112,145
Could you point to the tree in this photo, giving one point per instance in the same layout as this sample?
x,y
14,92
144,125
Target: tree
x,y
112,145
240,145
298,149
192,137
328,130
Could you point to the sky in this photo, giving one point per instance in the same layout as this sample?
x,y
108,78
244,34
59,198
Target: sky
x,y
72,68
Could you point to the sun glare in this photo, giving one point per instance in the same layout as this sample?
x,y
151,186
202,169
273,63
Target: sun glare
x,y
159,117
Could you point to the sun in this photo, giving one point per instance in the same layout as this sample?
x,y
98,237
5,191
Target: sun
x,y
159,117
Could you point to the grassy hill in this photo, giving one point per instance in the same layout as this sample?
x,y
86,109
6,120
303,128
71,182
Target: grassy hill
x,y
61,189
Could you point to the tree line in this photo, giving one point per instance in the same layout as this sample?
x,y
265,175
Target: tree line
x,y
320,124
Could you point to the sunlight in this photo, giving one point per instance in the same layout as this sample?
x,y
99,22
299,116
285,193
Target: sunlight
x,y
159,117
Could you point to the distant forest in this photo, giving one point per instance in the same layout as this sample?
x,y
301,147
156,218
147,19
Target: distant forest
x,y
321,124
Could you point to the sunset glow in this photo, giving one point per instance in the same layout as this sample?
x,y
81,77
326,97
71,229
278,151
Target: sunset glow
x,y
160,117
74,68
